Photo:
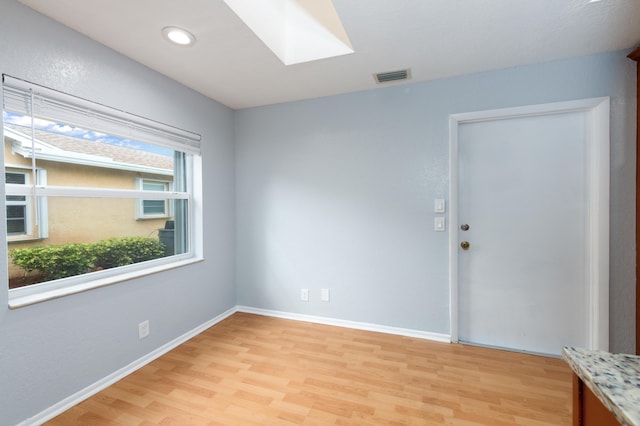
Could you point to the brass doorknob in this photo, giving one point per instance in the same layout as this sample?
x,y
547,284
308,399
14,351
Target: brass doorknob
x,y
465,245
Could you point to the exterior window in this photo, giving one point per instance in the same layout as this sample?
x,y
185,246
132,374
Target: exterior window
x,y
153,209
77,224
26,221
16,206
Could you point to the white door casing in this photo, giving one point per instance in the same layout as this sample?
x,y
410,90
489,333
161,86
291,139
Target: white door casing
x,y
596,112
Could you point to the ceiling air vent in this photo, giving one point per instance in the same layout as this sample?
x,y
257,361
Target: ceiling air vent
x,y
385,77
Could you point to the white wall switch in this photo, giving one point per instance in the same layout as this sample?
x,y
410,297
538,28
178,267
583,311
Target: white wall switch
x,y
439,205
304,294
439,224
324,295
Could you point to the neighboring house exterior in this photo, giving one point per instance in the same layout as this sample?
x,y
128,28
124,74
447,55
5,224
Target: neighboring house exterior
x,y
69,161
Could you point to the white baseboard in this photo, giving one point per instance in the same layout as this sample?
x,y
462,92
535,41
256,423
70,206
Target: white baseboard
x,y
107,381
418,334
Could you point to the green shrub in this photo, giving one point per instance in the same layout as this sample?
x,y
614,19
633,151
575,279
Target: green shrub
x,y
141,249
60,261
55,262
125,251
109,254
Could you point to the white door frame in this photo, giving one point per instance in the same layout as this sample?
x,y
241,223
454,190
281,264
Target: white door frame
x,y
597,110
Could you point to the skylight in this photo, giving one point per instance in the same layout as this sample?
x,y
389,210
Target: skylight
x,y
295,30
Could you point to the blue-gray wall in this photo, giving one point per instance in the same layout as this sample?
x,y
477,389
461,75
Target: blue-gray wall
x,y
334,192
338,192
53,349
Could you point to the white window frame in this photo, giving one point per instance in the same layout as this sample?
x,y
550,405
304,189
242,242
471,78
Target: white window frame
x,y
24,97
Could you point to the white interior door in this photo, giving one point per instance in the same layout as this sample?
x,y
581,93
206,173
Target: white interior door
x,y
524,189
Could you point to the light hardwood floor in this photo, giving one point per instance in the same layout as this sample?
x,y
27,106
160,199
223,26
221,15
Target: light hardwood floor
x,y
256,370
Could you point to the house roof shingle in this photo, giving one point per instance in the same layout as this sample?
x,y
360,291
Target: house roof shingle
x,y
115,153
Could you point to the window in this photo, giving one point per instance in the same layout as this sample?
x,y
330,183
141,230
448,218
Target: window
x,y
153,209
23,221
16,206
78,178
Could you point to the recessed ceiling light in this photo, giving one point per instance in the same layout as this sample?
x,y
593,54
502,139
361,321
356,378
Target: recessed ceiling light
x,y
178,36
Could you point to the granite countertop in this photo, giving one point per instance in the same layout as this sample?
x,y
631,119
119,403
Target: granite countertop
x,y
613,378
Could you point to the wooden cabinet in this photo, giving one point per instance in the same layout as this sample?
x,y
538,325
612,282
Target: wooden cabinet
x,y
587,408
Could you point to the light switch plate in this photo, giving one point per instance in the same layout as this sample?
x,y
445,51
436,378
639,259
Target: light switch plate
x,y
439,224
439,205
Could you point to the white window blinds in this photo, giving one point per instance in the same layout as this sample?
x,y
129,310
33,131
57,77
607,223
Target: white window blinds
x,y
29,99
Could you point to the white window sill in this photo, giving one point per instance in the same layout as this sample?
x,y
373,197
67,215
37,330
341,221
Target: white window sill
x,y
154,218
11,239
17,299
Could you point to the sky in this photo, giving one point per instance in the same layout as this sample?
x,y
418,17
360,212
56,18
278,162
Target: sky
x,y
65,129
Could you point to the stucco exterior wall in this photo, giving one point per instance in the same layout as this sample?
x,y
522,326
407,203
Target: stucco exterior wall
x,y
84,220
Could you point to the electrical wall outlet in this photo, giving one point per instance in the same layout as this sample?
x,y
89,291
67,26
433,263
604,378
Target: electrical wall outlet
x,y
304,294
324,295
143,329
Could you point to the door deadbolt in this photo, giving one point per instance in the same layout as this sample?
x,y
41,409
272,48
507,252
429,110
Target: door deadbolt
x,y
465,245
464,227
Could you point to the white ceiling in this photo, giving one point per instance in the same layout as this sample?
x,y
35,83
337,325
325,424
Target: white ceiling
x,y
435,38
